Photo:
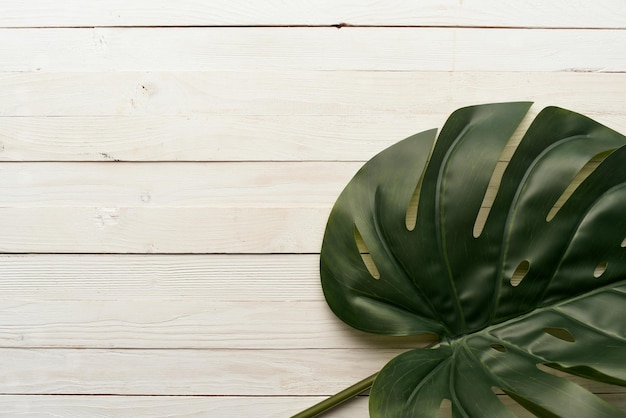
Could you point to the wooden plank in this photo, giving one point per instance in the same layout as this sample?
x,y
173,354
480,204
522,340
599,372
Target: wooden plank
x,y
184,323
173,207
218,138
188,185
178,230
210,138
208,278
535,13
187,372
371,93
170,406
222,406
196,372
182,230
279,49
153,185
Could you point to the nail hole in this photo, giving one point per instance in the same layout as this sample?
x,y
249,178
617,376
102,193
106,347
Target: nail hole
x,y
498,347
582,174
365,254
560,333
600,269
445,409
519,273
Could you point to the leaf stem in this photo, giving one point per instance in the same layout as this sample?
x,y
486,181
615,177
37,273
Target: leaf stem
x,y
338,398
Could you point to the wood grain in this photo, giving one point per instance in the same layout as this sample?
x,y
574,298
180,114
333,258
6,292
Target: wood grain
x,y
222,406
196,372
187,372
211,137
124,278
220,138
190,185
177,323
175,207
170,406
113,277
490,13
298,93
177,230
279,49
167,171
175,185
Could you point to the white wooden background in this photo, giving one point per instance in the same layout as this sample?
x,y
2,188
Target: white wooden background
x,y
167,168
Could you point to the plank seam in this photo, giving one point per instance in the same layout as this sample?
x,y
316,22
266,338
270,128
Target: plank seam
x,y
332,25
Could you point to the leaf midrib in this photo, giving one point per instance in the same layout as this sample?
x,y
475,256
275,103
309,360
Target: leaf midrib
x,y
440,218
495,327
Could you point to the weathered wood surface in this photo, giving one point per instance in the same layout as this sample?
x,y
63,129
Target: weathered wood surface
x,y
299,93
272,49
215,372
166,207
200,406
167,169
490,13
49,406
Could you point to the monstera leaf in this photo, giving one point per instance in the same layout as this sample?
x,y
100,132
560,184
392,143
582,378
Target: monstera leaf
x,y
443,274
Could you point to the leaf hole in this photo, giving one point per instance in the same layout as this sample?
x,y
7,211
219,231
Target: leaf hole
x,y
490,195
368,261
445,409
411,212
498,172
560,333
546,369
582,174
600,269
623,244
410,219
498,347
520,272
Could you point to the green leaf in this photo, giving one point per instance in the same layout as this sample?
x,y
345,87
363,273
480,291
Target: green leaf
x,y
437,277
